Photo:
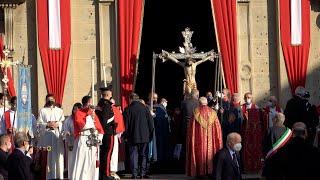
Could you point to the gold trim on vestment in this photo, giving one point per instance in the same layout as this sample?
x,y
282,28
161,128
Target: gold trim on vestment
x,y
205,123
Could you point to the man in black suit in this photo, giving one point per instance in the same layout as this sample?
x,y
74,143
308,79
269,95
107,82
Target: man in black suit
x,y
139,132
227,160
5,146
297,159
19,162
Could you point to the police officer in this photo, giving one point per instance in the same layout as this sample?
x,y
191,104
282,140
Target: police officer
x,y
106,116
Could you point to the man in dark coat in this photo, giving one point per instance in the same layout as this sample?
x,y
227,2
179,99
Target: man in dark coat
x,y
187,107
139,131
297,159
298,109
5,147
106,117
232,118
19,162
227,160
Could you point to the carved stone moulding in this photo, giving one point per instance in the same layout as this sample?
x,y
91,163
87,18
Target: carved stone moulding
x,y
10,3
246,72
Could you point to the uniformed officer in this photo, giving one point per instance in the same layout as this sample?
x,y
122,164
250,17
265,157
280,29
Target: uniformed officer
x,y
106,116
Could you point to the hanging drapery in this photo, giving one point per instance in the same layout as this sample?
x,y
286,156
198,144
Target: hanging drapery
x,y
54,54
224,12
295,56
130,26
11,89
296,22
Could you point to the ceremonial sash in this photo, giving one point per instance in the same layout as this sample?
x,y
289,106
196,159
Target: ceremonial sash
x,y
280,143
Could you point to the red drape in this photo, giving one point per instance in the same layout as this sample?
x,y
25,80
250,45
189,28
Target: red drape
x,y
11,89
54,62
296,57
130,25
224,12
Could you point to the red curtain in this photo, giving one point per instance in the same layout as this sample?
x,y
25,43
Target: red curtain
x,y
130,25
54,62
11,89
224,12
296,57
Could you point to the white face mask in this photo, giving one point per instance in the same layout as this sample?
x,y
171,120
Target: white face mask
x,y
237,147
248,101
164,104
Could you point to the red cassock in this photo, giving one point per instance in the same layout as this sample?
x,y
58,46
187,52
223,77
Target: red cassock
x,y
80,121
252,135
8,126
203,142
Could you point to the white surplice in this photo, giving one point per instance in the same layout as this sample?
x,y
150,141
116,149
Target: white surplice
x,y
53,138
85,157
68,130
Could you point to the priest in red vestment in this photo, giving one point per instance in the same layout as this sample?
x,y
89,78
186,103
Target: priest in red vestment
x,y
252,133
204,139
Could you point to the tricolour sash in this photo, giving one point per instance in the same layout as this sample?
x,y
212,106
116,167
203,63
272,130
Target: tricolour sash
x,y
280,143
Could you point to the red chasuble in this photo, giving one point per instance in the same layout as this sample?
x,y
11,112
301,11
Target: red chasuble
x,y
80,121
252,135
203,142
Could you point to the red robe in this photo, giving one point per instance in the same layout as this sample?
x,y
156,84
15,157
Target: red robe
x,y
252,135
118,119
80,121
203,142
8,126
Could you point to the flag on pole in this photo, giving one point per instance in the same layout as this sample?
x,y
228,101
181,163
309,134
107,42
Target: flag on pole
x,y
24,113
54,24
296,22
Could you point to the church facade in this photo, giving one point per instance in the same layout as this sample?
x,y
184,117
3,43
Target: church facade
x,y
94,48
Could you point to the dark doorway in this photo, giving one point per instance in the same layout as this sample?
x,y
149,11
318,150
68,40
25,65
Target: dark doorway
x,y
163,22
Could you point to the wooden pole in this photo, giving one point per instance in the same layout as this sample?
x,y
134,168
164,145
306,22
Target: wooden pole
x,y
92,79
154,58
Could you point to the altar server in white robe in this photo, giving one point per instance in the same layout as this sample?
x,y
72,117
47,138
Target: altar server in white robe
x,y
50,121
88,134
68,131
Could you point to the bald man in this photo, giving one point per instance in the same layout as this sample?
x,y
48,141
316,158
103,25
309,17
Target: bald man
x,y
227,160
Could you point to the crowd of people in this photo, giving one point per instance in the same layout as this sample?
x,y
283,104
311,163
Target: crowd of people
x,y
215,136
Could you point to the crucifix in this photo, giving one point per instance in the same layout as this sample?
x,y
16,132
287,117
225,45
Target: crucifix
x,y
192,60
5,64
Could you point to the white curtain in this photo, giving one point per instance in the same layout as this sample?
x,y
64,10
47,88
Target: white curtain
x,y
296,22
54,24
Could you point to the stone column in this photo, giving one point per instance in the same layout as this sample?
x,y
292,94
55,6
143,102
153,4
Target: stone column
x,y
107,37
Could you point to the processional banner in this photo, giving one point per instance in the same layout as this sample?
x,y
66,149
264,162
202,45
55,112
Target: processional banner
x,y
24,113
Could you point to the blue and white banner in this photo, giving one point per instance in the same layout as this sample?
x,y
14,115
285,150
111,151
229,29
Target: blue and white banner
x,y
24,112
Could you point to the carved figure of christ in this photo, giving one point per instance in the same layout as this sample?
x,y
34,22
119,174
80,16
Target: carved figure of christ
x,y
189,66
